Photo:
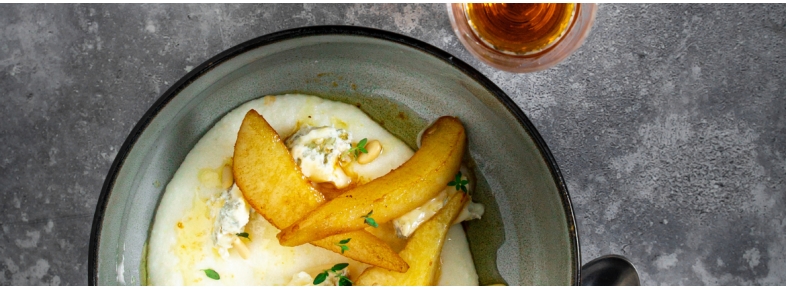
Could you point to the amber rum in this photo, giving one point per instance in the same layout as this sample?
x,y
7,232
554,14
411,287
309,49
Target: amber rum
x,y
520,28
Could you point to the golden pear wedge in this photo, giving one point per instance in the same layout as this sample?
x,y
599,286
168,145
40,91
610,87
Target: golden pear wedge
x,y
407,187
422,251
273,185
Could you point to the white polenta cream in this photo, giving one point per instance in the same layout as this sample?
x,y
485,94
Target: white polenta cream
x,y
181,243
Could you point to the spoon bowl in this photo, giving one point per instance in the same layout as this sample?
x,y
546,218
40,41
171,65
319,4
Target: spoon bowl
x,y
609,270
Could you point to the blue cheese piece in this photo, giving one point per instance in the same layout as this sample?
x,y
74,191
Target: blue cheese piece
x,y
471,211
318,150
409,222
304,279
231,219
301,279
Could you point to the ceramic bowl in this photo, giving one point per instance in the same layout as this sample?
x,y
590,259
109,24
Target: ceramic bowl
x,y
527,235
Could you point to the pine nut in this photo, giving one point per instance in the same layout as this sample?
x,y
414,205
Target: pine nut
x,y
226,178
374,148
241,248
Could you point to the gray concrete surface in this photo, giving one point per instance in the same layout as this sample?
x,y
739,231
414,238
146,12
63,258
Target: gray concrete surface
x,y
668,124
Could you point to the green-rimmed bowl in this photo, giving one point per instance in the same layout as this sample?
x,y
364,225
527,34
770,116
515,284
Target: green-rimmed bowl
x,y
527,235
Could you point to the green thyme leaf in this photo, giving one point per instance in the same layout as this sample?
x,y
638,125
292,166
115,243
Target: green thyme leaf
x,y
344,281
343,248
243,234
339,267
362,143
342,244
370,221
212,274
458,183
321,278
361,147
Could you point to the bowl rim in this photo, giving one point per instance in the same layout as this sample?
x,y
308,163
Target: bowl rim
x,y
323,30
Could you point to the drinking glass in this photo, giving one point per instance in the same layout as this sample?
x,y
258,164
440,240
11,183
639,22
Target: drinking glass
x,y
571,39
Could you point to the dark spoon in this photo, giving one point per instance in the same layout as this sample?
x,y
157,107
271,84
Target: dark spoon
x,y
609,270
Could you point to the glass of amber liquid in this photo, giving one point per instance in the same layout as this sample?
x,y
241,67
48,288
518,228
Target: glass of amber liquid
x,y
521,37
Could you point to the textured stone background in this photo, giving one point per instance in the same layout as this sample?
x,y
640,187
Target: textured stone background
x,y
668,124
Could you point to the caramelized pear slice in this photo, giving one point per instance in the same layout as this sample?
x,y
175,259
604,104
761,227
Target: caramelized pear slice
x,y
273,185
422,251
409,186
